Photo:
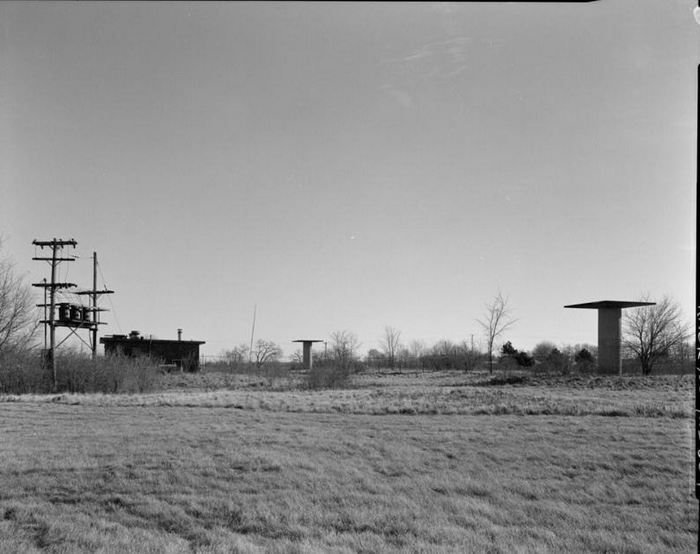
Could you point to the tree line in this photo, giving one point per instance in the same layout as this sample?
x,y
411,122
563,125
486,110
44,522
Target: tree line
x,y
652,335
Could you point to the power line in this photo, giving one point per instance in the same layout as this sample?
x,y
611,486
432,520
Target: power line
x,y
109,298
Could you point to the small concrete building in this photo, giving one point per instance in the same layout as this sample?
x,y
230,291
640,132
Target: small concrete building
x,y
183,354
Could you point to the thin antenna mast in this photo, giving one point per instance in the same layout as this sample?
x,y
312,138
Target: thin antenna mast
x,y
252,334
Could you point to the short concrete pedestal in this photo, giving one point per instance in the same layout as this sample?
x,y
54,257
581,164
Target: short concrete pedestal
x,y
306,347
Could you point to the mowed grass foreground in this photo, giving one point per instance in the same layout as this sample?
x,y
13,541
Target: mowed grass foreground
x,y
85,474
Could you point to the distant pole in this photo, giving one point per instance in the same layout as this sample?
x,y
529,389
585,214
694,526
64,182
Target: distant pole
x,y
45,313
472,342
52,322
94,305
252,334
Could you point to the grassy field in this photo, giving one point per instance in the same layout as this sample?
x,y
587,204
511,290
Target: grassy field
x,y
397,463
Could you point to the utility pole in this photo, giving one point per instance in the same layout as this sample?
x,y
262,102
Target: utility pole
x,y
94,294
71,316
55,245
94,305
45,312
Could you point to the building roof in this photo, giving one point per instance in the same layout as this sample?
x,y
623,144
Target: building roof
x,y
308,340
610,304
141,340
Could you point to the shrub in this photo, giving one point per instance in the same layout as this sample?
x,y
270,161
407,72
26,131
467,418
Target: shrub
x,y
521,358
438,362
508,349
446,355
109,374
275,372
76,373
542,350
21,373
503,380
333,376
585,361
555,362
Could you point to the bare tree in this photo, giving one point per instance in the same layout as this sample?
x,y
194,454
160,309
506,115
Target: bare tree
x,y
344,345
17,324
266,351
653,332
236,357
542,350
390,344
298,358
444,347
495,321
469,357
416,348
375,358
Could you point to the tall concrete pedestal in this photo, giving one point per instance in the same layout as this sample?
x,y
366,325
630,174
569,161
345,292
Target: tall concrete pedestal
x,y
610,340
610,331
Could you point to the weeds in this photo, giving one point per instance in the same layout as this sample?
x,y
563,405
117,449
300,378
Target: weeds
x,y
77,373
331,377
503,380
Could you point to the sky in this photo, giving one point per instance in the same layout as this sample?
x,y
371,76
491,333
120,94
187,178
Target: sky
x,y
351,166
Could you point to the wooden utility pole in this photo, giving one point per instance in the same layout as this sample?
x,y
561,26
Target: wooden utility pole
x,y
54,260
45,313
82,319
94,305
94,294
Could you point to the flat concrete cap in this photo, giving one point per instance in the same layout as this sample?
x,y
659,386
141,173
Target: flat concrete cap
x,y
307,340
610,304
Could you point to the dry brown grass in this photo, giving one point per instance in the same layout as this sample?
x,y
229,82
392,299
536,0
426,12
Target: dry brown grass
x,y
179,472
448,393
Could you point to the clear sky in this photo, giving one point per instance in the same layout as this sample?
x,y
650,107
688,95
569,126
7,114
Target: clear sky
x,y
353,165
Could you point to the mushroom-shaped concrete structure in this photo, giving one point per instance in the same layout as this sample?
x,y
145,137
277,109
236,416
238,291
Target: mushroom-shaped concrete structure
x,y
610,331
308,361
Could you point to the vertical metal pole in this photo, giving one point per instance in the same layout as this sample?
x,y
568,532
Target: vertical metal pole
x,y
52,322
94,305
